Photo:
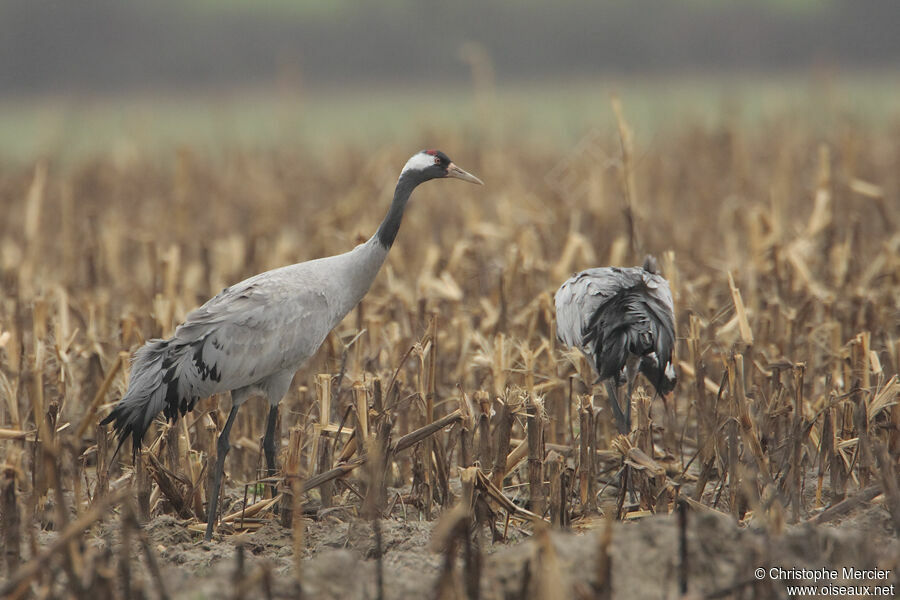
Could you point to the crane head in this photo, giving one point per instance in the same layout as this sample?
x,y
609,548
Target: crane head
x,y
434,164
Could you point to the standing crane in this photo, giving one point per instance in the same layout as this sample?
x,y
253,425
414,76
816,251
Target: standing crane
x,y
253,336
622,319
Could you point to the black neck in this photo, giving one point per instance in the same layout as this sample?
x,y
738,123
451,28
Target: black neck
x,y
387,231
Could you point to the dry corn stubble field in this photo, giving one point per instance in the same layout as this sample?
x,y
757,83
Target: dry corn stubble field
x,y
441,442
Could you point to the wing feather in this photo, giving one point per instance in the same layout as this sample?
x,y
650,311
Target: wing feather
x,y
609,312
247,333
263,325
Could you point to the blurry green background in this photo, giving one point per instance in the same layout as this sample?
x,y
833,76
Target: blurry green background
x,y
105,76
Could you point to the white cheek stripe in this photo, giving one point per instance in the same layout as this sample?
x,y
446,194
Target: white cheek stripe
x,y
418,162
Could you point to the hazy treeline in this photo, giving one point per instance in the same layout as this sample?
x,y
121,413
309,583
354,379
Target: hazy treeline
x,y
105,45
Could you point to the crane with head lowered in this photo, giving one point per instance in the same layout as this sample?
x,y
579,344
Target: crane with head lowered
x,y
623,321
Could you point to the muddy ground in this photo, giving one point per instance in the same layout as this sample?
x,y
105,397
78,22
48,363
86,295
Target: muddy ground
x,y
339,559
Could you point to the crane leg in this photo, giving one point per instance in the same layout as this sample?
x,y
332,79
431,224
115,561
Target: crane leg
x,y
628,411
623,423
269,440
222,447
269,443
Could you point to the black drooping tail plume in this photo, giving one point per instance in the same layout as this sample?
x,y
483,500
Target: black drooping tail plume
x,y
156,385
637,322
658,369
657,366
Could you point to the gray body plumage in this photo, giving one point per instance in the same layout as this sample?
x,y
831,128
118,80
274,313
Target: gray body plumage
x,y
251,337
623,320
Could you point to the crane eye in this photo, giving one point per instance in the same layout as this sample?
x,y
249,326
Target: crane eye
x,y
437,160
